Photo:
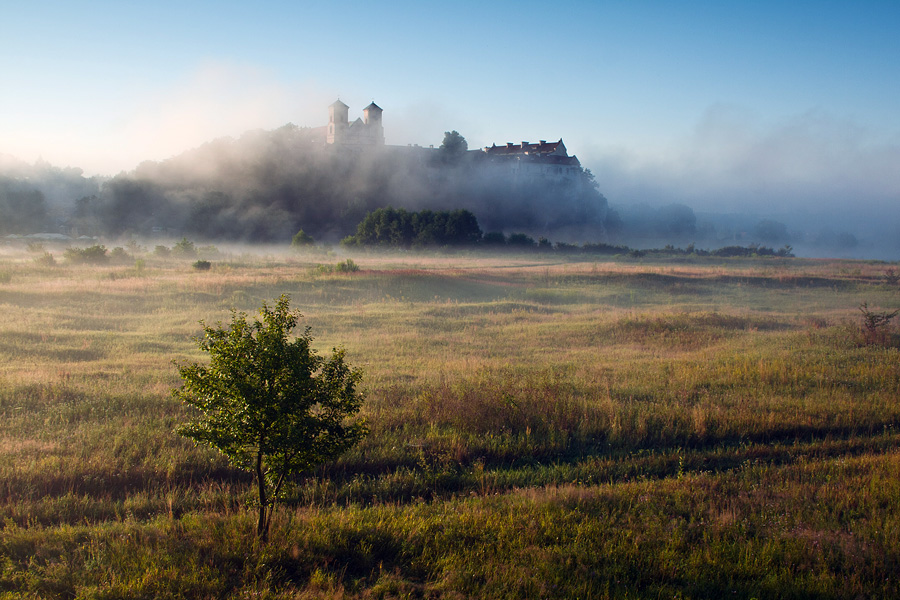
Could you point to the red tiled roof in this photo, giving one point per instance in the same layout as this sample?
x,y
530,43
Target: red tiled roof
x,y
539,149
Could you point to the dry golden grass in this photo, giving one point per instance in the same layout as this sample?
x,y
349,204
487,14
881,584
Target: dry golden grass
x,y
653,426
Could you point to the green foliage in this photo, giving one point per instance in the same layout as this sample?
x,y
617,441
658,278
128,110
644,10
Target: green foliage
x,y
453,149
520,240
753,250
345,266
96,255
202,265
301,239
162,251
270,404
493,238
184,248
120,256
399,228
876,325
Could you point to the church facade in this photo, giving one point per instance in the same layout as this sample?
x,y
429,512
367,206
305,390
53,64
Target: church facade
x,y
365,132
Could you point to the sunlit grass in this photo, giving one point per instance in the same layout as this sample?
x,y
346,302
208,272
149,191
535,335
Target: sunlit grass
x,y
604,427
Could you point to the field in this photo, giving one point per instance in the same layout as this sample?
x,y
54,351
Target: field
x,y
540,427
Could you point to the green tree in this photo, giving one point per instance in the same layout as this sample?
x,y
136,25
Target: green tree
x,y
301,239
184,248
269,403
453,148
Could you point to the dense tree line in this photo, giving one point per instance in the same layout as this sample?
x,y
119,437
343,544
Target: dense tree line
x,y
400,228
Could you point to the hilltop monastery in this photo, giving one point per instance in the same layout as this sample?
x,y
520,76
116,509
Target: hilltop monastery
x,y
543,159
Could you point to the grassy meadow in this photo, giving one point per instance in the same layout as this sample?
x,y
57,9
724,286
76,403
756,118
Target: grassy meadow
x,y
540,427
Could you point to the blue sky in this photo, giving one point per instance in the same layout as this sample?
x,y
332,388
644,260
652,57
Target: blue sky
x,y
765,103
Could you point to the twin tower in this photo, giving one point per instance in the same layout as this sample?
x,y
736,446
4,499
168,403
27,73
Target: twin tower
x,y
368,131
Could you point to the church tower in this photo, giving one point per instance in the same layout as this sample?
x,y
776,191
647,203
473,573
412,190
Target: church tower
x,y
338,122
374,125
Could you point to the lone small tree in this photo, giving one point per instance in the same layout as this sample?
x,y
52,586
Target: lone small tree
x,y
302,239
270,404
875,325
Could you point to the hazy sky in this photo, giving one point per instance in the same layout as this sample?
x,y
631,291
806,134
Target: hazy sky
x,y
697,102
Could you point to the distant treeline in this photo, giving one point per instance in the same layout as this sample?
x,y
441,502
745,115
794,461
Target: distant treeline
x,y
401,229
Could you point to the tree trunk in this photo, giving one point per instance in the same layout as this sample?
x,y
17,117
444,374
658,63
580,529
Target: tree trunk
x,y
262,526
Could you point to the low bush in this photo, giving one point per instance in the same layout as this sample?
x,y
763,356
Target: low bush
x,y
876,326
119,255
45,260
96,255
346,266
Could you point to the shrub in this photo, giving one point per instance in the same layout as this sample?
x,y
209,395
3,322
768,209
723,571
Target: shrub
x,y
119,255
162,251
96,254
347,266
202,265
876,325
45,260
184,248
301,239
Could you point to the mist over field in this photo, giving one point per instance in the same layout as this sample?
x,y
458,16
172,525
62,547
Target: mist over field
x,y
823,186
826,185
